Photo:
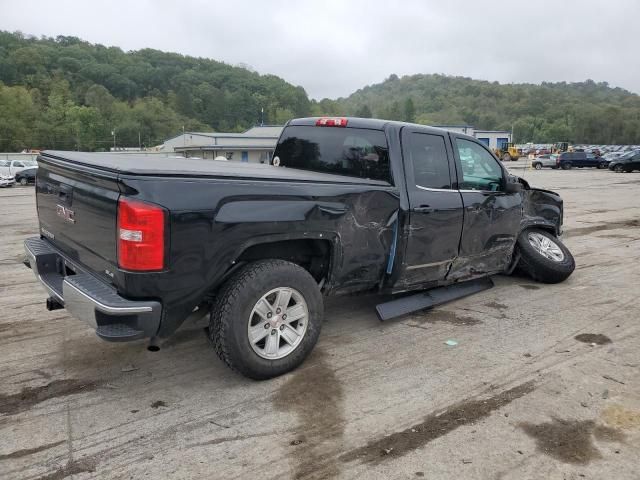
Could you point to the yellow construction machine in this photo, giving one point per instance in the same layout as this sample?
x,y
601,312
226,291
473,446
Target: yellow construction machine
x,y
507,152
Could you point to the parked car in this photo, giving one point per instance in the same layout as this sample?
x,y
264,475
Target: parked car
x,y
26,176
134,246
544,161
7,180
567,160
607,158
626,163
11,167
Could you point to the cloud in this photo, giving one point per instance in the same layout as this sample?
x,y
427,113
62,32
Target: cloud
x,y
333,48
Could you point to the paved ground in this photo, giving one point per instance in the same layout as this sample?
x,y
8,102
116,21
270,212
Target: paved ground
x,y
544,381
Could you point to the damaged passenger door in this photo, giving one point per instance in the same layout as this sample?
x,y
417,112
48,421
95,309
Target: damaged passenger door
x,y
435,216
492,214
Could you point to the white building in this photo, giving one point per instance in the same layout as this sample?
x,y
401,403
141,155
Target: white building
x,y
255,145
491,138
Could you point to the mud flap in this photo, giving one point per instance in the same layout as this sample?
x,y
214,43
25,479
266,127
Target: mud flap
x,y
431,298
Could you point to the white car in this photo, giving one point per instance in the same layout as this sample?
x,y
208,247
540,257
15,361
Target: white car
x,y
542,161
11,167
7,180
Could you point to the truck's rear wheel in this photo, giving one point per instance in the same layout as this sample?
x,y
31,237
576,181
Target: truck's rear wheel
x,y
543,257
266,319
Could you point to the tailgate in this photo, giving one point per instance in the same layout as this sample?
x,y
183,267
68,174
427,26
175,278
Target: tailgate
x,y
77,210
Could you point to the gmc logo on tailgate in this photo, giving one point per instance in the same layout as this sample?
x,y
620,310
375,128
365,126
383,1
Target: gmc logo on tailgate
x,y
66,213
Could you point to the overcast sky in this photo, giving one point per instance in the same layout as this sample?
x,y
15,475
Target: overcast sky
x,y
332,48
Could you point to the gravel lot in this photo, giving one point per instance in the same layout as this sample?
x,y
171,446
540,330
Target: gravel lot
x,y
544,381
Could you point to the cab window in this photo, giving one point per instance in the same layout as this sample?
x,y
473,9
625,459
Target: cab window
x,y
428,156
480,170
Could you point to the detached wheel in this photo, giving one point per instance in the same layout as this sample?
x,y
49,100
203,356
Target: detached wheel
x,y
537,166
266,319
544,257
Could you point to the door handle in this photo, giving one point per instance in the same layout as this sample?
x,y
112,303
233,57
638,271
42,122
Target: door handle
x,y
423,209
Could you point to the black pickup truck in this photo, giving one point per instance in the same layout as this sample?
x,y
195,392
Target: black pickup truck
x,y
134,246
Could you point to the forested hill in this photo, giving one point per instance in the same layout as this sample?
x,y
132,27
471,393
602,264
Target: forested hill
x,y
586,112
66,93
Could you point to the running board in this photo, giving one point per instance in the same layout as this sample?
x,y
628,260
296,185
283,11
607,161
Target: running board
x,y
431,298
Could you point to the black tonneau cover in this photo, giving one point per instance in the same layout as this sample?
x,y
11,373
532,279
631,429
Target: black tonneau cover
x,y
154,165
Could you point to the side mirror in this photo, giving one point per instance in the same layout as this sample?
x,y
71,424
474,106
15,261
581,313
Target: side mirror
x,y
513,187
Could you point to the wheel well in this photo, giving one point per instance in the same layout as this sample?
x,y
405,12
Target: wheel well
x,y
548,228
311,254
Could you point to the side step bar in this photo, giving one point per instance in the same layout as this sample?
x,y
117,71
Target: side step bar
x,y
431,298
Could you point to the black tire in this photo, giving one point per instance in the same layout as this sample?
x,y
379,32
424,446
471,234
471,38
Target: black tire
x,y
506,157
23,182
566,166
233,306
537,166
539,267
618,168
601,166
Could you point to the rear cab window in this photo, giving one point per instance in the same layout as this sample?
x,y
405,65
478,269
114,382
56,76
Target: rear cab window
x,y
428,161
353,152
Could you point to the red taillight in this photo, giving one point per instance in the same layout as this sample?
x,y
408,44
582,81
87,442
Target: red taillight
x,y
140,236
331,122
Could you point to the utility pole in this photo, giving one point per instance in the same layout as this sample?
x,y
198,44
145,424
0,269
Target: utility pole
x,y
262,117
139,142
113,132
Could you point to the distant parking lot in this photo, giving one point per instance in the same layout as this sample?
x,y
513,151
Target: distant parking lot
x,y
544,380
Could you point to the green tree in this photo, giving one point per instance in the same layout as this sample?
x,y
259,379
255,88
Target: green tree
x,y
409,110
364,112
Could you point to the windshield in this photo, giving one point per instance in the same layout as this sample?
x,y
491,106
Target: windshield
x,y
354,152
30,163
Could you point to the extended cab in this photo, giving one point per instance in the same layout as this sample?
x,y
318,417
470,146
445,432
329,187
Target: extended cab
x,y
134,246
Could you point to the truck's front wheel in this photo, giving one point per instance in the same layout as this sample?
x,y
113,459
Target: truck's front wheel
x,y
266,319
544,257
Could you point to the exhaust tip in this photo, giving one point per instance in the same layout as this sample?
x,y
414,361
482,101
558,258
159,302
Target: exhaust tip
x,y
154,345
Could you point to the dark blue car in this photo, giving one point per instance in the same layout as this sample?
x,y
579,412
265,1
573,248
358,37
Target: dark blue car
x,y
27,176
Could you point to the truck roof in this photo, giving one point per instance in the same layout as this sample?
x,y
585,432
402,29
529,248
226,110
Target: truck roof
x,y
372,123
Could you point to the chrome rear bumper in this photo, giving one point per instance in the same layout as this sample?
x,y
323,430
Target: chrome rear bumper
x,y
90,299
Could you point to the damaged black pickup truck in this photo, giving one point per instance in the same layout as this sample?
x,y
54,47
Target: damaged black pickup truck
x,y
134,246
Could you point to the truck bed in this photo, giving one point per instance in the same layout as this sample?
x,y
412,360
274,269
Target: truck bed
x,y
129,164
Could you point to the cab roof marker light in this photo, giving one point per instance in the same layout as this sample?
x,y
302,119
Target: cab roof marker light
x,y
331,122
